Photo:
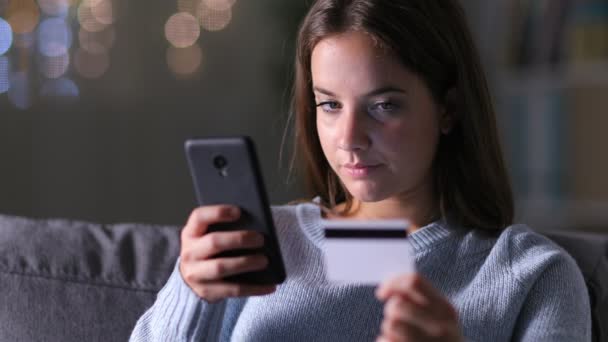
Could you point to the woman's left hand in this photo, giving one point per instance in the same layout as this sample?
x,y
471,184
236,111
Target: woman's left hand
x,y
415,311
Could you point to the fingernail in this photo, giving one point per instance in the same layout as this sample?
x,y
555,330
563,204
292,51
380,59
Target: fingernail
x,y
234,211
379,292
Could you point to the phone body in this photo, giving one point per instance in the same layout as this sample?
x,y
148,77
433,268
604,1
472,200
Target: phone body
x,y
225,170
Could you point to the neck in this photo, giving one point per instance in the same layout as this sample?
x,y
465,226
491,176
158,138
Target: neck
x,y
418,206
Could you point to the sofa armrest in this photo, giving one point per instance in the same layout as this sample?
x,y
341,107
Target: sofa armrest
x,y
591,254
66,280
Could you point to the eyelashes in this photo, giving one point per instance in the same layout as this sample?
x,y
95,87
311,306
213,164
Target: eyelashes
x,y
379,109
329,106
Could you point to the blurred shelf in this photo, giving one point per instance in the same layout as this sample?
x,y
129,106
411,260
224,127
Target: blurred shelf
x,y
546,78
566,215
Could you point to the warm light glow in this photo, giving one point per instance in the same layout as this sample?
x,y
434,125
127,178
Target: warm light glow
x,y
54,67
54,37
182,30
4,68
54,7
22,15
24,21
103,12
61,89
19,93
91,65
6,36
96,42
214,20
87,20
184,61
218,5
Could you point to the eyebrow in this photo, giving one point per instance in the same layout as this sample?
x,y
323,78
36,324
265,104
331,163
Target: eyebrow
x,y
381,90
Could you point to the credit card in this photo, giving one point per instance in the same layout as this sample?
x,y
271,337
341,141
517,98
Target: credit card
x,y
366,251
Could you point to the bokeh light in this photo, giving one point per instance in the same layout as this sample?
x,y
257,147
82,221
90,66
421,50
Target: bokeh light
x,y
24,21
182,30
212,19
86,18
19,92
46,26
184,61
219,5
60,89
90,65
4,68
103,12
54,67
54,37
97,42
6,36
54,8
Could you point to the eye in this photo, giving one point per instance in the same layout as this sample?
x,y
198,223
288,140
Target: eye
x,y
383,110
384,106
329,106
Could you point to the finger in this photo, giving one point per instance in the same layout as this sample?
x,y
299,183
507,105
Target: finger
x,y
218,290
217,242
202,217
216,269
404,285
401,331
416,288
398,309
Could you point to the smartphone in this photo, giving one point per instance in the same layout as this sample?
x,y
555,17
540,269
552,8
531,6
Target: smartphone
x,y
225,170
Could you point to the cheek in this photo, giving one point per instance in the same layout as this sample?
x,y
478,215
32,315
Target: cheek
x,y
408,145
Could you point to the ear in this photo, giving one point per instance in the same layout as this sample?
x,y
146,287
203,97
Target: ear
x,y
449,111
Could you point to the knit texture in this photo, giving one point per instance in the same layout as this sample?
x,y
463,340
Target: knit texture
x,y
516,286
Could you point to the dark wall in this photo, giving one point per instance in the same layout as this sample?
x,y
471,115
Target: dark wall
x,y
116,153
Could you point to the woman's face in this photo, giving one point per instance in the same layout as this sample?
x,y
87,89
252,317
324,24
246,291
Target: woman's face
x,y
375,113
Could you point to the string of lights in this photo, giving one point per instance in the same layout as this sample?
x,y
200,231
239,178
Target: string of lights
x,y
47,46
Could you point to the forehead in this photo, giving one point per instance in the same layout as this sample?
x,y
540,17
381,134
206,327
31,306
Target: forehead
x,y
354,61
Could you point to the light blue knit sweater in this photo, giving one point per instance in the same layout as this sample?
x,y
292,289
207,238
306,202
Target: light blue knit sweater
x,y
519,286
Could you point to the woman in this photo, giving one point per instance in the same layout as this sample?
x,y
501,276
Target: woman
x,y
393,120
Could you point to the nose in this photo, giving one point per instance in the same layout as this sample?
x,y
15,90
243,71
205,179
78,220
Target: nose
x,y
353,134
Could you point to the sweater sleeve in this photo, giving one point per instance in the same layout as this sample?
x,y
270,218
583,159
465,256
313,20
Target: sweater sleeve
x,y
556,307
178,314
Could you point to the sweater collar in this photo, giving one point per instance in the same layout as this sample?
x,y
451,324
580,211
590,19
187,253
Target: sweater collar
x,y
309,217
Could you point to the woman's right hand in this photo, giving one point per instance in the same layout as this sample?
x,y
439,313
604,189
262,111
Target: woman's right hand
x,y
204,274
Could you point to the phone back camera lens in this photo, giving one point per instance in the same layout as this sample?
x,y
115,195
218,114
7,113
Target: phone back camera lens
x,y
219,162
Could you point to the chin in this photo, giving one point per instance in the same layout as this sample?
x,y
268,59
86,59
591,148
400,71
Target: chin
x,y
366,194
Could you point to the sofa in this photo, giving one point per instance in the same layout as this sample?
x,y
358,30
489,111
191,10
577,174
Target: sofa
x,y
65,280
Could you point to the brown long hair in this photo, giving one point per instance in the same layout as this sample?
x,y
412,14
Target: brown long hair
x,y
431,38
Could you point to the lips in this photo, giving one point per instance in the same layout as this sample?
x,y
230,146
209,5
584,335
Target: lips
x,y
360,170
359,165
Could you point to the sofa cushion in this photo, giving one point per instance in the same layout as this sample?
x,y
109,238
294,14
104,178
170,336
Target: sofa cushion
x,y
591,254
65,280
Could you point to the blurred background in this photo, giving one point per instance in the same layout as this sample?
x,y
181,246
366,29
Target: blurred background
x,y
98,96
